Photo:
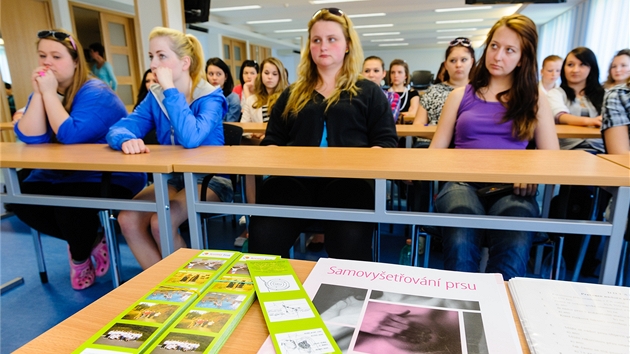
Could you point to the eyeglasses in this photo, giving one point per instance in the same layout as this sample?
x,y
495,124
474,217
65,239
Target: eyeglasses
x,y
333,10
57,35
463,41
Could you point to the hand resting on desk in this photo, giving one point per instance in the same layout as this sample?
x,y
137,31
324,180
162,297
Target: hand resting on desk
x,y
134,146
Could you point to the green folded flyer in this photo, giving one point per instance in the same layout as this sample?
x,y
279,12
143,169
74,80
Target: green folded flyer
x,y
136,328
207,324
293,322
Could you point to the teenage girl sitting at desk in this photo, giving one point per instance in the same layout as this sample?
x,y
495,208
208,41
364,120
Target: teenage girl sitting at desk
x,y
409,98
68,107
184,109
328,105
502,108
578,100
458,60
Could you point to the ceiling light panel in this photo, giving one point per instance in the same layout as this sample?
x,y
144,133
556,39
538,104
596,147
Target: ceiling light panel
x,y
269,21
235,8
469,8
381,34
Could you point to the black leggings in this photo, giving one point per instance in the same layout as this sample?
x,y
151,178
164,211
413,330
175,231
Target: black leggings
x,y
78,226
344,239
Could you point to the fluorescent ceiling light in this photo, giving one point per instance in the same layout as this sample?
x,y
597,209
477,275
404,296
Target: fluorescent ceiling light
x,y
376,14
469,8
374,26
236,8
381,34
269,21
393,44
457,30
451,37
388,40
459,21
319,2
291,30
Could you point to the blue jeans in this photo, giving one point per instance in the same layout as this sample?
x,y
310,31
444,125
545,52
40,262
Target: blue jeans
x,y
508,250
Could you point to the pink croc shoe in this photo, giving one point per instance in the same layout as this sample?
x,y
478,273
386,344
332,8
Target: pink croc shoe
x,y
101,257
81,275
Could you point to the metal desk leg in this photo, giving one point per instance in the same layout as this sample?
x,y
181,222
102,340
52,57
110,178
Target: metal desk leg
x,y
41,265
194,218
163,213
112,245
612,252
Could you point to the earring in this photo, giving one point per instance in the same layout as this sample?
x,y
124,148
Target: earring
x,y
347,51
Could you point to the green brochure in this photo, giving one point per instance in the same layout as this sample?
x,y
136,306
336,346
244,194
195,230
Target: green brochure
x,y
136,328
207,324
294,324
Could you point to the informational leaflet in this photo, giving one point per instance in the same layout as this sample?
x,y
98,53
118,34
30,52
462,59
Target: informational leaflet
x,y
568,317
384,308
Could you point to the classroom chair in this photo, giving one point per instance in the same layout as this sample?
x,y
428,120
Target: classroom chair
x,y
107,222
421,79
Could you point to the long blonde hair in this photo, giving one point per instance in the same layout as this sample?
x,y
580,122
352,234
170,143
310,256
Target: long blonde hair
x,y
308,76
262,96
81,72
184,45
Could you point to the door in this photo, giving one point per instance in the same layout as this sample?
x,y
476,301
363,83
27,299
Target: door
x,y
234,54
120,49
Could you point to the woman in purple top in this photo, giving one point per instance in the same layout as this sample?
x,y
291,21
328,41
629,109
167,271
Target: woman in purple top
x,y
500,109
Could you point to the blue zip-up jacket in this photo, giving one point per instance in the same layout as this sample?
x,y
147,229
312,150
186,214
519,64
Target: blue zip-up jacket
x,y
175,122
94,109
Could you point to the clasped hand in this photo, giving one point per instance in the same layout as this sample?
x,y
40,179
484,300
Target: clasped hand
x,y
44,81
525,190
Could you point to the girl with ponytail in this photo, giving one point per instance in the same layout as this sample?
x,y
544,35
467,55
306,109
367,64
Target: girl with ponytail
x,y
184,109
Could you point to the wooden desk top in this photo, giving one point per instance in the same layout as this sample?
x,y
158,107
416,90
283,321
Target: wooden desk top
x,y
623,160
257,128
6,126
495,166
564,131
246,338
90,157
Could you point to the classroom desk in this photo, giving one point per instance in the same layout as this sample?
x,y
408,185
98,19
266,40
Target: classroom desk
x,y
490,166
563,131
623,160
5,126
256,128
246,338
423,131
94,157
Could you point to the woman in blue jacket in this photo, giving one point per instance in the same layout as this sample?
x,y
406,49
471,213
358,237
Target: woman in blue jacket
x,y
67,107
184,109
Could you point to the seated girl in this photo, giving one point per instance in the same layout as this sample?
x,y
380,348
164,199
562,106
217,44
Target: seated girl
x,y
578,100
330,104
501,108
219,75
184,109
68,107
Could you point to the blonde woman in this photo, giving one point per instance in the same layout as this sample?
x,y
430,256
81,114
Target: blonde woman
x,y
184,109
330,104
267,88
67,107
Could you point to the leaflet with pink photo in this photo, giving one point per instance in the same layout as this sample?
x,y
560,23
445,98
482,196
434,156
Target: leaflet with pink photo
x,y
385,308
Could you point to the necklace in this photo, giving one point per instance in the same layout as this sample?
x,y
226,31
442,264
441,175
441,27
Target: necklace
x,y
403,99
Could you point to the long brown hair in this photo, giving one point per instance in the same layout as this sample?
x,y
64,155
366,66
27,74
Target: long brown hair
x,y
521,100
262,96
308,76
81,72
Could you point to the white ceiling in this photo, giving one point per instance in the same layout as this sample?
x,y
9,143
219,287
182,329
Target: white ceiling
x,y
414,19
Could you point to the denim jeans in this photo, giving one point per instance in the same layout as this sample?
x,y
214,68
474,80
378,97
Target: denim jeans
x,y
508,250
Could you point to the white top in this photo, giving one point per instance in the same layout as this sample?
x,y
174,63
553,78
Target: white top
x,y
581,107
251,114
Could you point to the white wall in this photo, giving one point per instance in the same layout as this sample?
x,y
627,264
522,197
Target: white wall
x,y
149,14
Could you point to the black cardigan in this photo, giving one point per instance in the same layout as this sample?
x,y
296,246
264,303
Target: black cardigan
x,y
365,120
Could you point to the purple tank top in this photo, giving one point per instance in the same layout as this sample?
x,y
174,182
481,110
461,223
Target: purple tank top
x,y
479,125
